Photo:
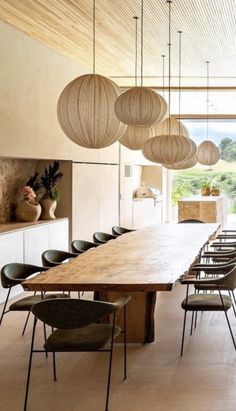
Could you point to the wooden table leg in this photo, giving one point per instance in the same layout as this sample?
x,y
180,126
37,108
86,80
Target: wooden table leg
x,y
140,315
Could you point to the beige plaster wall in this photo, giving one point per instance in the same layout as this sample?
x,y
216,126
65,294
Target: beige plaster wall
x,y
32,77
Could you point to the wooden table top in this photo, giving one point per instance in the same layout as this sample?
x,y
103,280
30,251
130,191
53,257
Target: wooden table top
x,y
149,259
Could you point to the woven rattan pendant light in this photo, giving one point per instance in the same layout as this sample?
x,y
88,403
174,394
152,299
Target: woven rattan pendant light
x,y
85,108
140,106
185,164
134,137
207,152
169,148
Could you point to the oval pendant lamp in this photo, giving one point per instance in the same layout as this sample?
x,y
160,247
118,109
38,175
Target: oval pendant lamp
x,y
134,137
85,108
208,153
183,165
169,148
140,106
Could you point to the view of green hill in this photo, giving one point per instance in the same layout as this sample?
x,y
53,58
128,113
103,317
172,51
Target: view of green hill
x,y
223,174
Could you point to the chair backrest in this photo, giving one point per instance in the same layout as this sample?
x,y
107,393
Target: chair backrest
x,y
71,313
79,246
52,258
192,220
228,279
14,273
117,230
100,237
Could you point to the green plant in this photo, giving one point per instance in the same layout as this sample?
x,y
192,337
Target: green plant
x,y
50,179
205,183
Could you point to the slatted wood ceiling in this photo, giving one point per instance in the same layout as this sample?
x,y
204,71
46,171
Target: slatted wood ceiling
x,y
66,25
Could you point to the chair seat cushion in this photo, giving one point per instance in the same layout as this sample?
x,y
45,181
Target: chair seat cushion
x,y
25,304
206,302
89,338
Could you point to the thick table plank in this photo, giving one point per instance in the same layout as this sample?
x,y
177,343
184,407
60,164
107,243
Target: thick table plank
x,y
149,259
139,263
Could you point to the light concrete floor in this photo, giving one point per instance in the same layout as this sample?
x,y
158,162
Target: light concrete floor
x,y
158,380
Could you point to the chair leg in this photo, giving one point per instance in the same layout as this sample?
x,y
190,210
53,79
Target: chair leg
x,y
233,305
227,319
125,344
29,367
54,366
45,337
5,304
110,364
183,333
26,322
192,320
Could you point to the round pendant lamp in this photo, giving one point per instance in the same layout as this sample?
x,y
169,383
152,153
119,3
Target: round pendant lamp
x,y
208,153
183,165
134,137
86,114
140,106
85,109
168,149
176,126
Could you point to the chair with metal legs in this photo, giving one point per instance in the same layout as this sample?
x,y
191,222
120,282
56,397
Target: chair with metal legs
x,y
100,237
14,274
53,258
209,302
78,329
117,230
80,246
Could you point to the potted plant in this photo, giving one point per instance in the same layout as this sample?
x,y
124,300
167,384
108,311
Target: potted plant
x,y
49,181
215,189
205,187
28,209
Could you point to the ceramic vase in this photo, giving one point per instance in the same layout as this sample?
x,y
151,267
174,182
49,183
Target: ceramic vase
x,y
215,191
27,212
48,209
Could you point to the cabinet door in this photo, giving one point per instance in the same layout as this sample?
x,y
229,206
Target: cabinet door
x,y
95,199
58,235
11,246
35,243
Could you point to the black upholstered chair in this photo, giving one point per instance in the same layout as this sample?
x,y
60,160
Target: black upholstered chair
x,y
77,328
100,237
209,301
116,230
80,246
192,220
52,258
14,274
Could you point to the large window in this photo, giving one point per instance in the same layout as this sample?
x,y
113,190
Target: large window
x,y
223,174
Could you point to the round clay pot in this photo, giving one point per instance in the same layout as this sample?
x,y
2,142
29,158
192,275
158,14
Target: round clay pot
x,y
48,209
27,212
215,191
205,191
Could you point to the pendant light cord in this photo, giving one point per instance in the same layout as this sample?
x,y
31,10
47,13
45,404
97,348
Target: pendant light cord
x,y
136,51
94,36
180,73
163,74
169,47
207,63
141,43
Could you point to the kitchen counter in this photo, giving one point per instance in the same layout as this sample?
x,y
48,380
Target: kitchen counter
x,y
210,209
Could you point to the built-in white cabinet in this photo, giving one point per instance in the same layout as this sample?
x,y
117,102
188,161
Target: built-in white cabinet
x,y
27,244
146,211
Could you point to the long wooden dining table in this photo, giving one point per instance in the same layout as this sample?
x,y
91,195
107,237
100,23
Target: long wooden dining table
x,y
139,263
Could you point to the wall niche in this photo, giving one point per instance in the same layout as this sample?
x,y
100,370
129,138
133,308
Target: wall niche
x,y
14,173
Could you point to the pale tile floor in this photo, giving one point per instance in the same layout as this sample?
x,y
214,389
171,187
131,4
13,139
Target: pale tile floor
x,y
158,380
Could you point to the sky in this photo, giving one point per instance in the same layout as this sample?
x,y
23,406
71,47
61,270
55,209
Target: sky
x,y
218,129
